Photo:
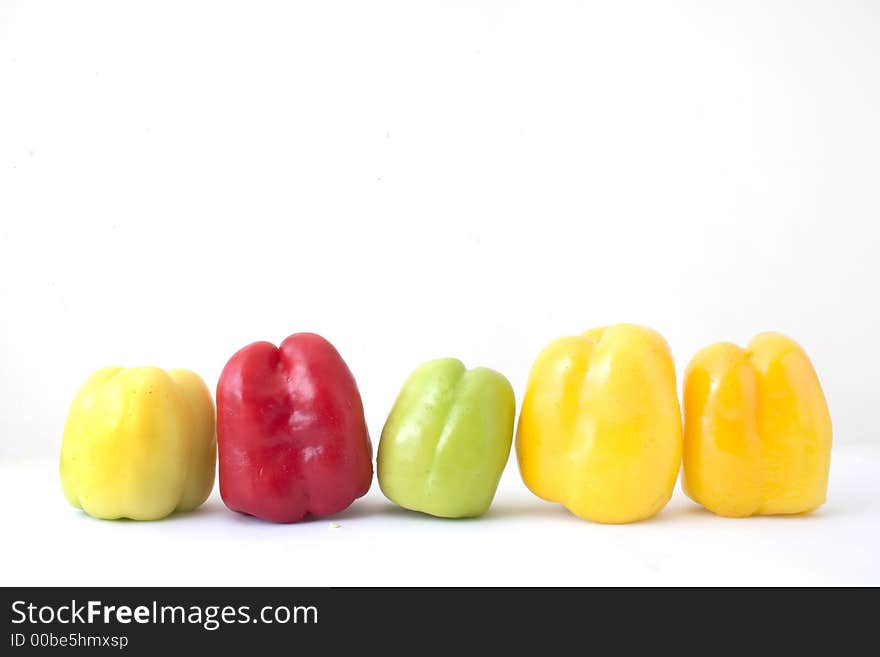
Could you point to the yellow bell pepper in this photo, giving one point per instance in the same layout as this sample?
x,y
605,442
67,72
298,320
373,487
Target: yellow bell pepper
x,y
600,426
139,443
757,437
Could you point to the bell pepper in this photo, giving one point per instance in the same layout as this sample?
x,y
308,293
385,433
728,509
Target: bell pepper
x,y
757,432
291,431
600,426
447,439
139,443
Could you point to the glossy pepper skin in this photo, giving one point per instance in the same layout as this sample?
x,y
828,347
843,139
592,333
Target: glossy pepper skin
x,y
447,439
139,443
757,437
600,426
291,431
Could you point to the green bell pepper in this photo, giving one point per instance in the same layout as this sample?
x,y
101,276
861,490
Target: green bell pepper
x,y
447,439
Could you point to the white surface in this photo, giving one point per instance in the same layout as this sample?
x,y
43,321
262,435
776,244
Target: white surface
x,y
423,179
522,540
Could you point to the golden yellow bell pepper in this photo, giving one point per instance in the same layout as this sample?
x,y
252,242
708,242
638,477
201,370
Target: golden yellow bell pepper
x,y
757,437
600,426
139,443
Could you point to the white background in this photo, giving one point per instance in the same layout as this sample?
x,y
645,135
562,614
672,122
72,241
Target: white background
x,y
425,179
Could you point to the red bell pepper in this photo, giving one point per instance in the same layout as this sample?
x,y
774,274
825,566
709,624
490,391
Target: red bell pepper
x,y
291,433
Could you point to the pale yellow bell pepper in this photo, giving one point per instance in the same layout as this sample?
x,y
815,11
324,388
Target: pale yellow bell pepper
x,y
600,426
757,438
139,443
